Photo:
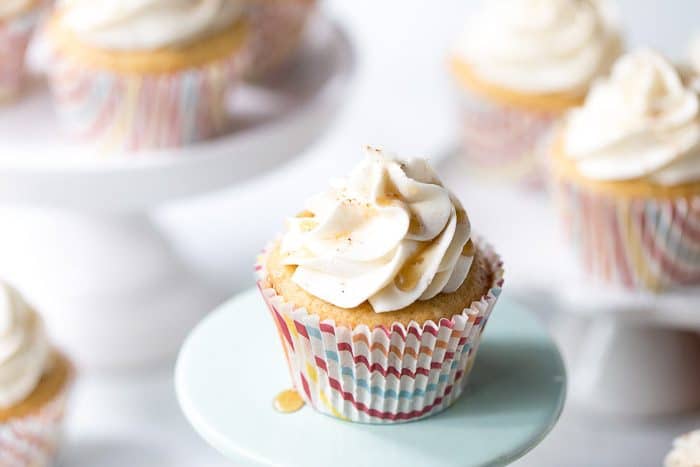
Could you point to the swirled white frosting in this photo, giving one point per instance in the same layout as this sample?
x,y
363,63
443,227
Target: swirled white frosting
x,y
147,24
694,52
640,122
24,348
540,46
686,451
389,234
9,8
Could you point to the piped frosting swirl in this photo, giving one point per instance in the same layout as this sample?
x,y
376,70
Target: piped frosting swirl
x,y
540,46
389,234
24,348
147,24
642,122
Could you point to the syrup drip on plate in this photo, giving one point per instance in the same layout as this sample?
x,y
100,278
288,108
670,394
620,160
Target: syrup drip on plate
x,y
288,401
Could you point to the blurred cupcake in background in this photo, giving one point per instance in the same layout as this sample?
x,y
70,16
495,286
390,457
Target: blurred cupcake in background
x,y
685,452
146,74
34,381
277,28
520,64
380,293
18,18
627,177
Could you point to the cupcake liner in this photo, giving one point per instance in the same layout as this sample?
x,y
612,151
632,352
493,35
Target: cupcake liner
x,y
633,242
503,142
123,112
277,28
32,440
15,34
381,375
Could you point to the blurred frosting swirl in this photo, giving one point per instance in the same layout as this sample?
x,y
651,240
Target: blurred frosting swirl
x,y
9,8
540,46
641,122
390,234
686,451
24,348
147,24
694,53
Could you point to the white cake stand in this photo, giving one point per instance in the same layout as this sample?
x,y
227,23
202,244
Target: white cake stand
x,y
76,235
632,353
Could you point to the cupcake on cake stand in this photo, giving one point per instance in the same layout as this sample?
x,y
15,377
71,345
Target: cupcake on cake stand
x,y
626,179
77,233
378,297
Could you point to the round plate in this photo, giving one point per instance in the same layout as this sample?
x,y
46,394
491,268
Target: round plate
x,y
231,367
274,121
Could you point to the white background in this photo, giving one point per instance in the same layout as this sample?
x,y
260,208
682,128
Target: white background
x,y
401,99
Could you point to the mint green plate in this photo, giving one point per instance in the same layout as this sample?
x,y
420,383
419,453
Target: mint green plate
x,y
227,377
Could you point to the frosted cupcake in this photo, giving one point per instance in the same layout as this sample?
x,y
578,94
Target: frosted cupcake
x,y
34,380
519,65
627,173
686,451
18,19
380,293
277,28
146,74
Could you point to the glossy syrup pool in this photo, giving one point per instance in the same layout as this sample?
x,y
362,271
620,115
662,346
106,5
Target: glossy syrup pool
x,y
288,401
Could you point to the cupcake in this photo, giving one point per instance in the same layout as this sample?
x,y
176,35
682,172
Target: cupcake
x,y
686,451
34,380
146,74
276,31
18,19
519,66
626,168
380,293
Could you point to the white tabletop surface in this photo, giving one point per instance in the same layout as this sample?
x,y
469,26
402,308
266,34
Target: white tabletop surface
x,y
401,100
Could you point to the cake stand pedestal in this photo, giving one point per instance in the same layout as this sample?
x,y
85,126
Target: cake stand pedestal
x,y
226,378
77,235
632,354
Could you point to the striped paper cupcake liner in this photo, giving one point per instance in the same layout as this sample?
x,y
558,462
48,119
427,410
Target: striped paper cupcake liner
x,y
504,143
277,29
15,34
633,243
120,112
381,375
32,440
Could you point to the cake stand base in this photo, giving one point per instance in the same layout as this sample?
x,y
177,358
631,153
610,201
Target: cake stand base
x,y
111,288
633,369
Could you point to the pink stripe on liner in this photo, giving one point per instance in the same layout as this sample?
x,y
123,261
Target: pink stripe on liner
x,y
305,385
282,326
301,329
685,226
619,249
321,364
